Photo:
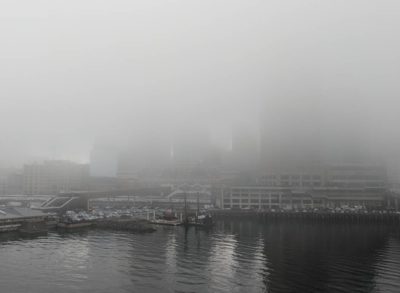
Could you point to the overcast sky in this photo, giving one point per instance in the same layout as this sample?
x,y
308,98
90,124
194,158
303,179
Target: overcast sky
x,y
73,72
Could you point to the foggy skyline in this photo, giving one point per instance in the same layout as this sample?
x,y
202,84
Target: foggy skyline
x,y
317,76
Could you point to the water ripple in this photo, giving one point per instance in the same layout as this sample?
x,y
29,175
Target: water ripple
x,y
234,257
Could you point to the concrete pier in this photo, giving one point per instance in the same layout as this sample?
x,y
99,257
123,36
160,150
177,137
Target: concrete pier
x,y
327,217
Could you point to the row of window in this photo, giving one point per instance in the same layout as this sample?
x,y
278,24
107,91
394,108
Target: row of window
x,y
254,195
268,201
251,206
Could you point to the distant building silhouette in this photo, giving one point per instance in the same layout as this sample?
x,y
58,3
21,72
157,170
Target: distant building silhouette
x,y
190,147
245,148
11,182
53,177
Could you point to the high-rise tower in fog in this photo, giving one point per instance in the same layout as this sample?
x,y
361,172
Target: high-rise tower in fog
x,y
245,147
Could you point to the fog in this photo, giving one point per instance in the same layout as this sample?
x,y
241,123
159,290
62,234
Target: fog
x,y
309,78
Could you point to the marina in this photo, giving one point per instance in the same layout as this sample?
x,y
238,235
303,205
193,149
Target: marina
x,y
200,146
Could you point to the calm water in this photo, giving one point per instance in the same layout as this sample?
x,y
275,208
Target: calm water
x,y
233,257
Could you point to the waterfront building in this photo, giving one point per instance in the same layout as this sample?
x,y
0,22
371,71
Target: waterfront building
x,y
356,176
294,177
265,197
53,177
329,186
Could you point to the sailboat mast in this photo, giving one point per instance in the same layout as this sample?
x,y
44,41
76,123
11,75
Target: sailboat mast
x,y
186,218
198,207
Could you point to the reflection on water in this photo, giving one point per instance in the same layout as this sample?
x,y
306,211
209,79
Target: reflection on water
x,y
236,256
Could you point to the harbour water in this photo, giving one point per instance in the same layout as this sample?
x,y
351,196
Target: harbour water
x,y
234,256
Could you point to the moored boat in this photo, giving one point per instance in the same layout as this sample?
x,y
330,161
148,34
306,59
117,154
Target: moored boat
x,y
205,221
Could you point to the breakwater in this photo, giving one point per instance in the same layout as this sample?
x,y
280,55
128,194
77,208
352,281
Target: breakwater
x,y
328,217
